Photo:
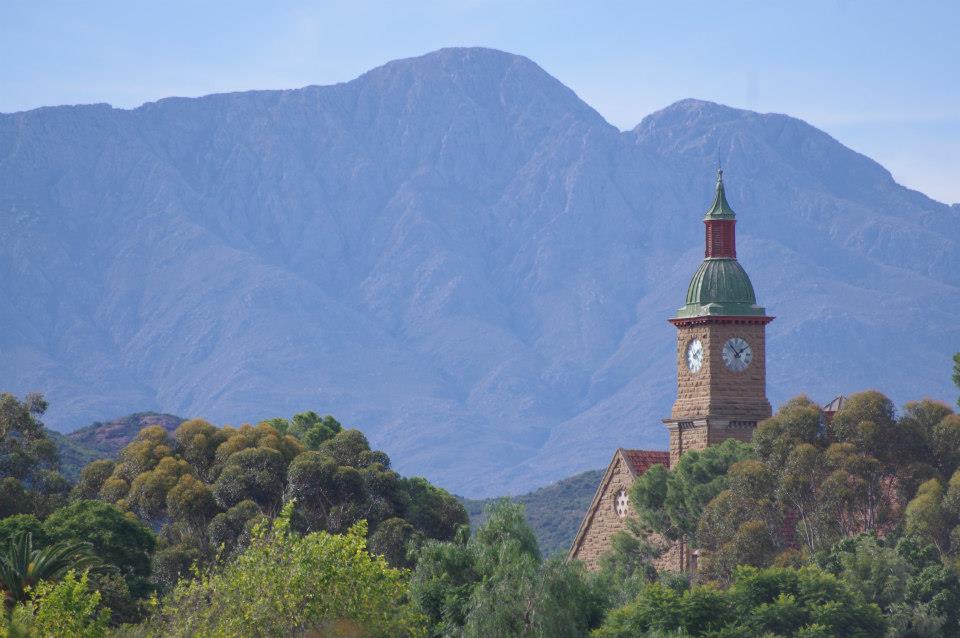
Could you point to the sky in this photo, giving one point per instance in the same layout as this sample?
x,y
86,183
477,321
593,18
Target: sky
x,y
882,77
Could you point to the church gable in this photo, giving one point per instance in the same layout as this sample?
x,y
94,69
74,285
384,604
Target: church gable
x,y
610,507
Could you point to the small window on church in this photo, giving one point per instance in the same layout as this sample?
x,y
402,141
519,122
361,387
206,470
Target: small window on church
x,y
621,503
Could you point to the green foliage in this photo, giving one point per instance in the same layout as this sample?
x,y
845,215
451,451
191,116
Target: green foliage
x,y
67,608
25,449
495,584
777,601
433,510
830,483
879,573
273,585
935,590
230,529
116,538
313,429
92,477
22,566
670,503
30,481
19,524
203,487
255,474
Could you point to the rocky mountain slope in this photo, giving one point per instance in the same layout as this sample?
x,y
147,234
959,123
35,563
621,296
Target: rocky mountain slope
x,y
452,252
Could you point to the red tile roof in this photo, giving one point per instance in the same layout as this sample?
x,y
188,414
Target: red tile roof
x,y
641,460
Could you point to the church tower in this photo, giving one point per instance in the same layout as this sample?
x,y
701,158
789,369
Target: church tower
x,y
721,349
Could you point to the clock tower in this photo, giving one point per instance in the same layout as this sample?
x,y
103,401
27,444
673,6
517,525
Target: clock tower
x,y
721,349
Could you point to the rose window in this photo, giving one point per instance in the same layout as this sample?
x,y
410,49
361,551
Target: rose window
x,y
622,503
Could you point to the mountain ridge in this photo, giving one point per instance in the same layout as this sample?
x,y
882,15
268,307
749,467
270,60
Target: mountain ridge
x,y
454,253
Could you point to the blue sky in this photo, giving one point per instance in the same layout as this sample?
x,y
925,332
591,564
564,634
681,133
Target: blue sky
x,y
882,77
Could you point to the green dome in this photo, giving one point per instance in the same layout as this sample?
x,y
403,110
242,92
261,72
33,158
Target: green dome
x,y
720,287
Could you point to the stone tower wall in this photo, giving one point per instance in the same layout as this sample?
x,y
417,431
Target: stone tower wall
x,y
714,390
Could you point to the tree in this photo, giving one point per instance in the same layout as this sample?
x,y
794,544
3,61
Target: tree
x,y
256,474
526,598
190,502
22,566
879,573
742,524
25,449
14,498
229,530
92,479
197,441
141,455
273,585
394,540
760,602
116,538
30,481
495,583
670,503
796,422
347,447
433,510
956,373
148,490
868,420
926,517
18,524
313,429
65,608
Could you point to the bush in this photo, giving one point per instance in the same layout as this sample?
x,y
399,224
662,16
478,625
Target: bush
x,y
284,584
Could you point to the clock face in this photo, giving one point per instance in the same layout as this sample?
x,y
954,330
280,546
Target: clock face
x,y
737,354
694,355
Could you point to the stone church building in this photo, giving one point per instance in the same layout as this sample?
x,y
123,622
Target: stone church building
x,y
721,383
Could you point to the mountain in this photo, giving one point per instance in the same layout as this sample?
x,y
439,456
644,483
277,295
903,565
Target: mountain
x,y
452,252
109,437
554,512
104,440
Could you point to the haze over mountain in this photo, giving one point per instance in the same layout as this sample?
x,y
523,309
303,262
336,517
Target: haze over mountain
x,y
453,253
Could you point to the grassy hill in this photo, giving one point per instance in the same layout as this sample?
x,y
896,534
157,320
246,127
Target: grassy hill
x,y
554,512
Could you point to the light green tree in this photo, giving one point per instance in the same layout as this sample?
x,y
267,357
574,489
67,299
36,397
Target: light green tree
x,y
284,584
68,608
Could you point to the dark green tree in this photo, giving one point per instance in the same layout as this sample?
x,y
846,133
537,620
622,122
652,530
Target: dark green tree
x,y
760,602
18,524
256,474
116,538
313,429
495,584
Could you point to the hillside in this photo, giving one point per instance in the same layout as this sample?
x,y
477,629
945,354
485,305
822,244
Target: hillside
x,y
103,440
74,456
452,252
554,512
110,437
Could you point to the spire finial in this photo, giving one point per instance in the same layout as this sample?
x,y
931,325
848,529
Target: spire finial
x,y
720,208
